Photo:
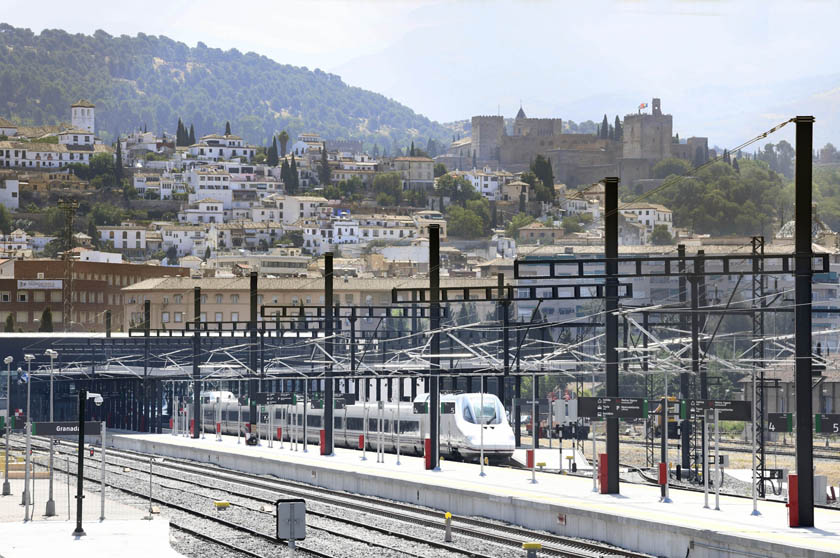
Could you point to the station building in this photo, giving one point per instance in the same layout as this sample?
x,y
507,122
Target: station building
x,y
28,287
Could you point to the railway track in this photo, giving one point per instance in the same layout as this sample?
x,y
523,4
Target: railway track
x,y
482,530
830,454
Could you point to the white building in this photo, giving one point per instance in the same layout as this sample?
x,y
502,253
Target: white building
x,y
86,255
214,147
203,211
9,191
127,238
280,262
82,116
210,183
650,214
486,181
187,239
15,241
76,137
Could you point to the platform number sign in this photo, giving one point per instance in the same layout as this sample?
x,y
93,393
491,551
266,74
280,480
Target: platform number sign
x,y
780,422
827,424
420,408
447,408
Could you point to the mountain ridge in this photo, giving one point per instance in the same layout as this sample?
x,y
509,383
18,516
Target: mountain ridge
x,y
151,81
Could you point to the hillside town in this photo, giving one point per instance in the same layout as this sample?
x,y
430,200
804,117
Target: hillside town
x,y
156,207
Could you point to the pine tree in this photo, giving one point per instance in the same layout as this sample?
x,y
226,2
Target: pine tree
x,y
192,135
605,126
46,321
411,152
227,128
619,130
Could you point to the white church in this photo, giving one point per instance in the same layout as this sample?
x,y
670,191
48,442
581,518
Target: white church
x,y
76,144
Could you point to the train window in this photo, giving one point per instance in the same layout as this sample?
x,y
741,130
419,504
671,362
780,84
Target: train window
x,y
246,415
373,425
409,426
313,420
338,423
468,415
355,423
490,412
278,413
386,425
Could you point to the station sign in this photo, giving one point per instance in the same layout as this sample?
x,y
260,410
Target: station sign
x,y
420,408
338,403
65,428
39,284
613,407
780,422
530,403
827,424
727,410
273,398
447,408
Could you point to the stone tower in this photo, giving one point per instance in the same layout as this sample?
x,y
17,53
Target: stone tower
x,y
648,136
82,117
487,132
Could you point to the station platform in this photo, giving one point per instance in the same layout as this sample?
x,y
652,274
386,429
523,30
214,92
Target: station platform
x,y
129,536
561,504
551,459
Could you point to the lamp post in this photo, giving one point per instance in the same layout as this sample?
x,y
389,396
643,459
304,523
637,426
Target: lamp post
x,y
50,502
7,490
83,397
28,429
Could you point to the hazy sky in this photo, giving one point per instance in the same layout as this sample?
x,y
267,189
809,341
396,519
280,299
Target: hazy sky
x,y
724,69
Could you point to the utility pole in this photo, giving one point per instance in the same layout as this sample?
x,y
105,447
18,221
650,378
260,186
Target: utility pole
x,y
68,207
329,381
196,372
611,319
804,404
434,369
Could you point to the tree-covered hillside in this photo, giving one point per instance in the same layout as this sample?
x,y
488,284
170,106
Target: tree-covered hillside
x,y
152,81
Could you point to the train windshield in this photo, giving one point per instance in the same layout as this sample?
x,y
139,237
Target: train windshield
x,y
490,412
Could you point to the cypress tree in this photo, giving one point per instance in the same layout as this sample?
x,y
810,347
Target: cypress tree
x,y
284,172
179,134
294,179
411,152
284,140
192,135
605,126
324,169
619,131
273,159
118,164
736,166
46,321
611,134
227,128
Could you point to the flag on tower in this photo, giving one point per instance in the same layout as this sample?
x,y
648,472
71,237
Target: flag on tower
x,y
643,106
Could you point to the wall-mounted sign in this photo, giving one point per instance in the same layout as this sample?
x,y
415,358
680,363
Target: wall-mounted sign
x,y
45,284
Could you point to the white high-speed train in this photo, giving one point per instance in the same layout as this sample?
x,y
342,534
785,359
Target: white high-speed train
x,y
460,433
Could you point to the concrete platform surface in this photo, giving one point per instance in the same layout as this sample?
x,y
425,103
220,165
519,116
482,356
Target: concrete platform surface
x,y
562,504
551,458
122,538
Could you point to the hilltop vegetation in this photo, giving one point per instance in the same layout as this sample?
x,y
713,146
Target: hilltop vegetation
x,y
152,81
